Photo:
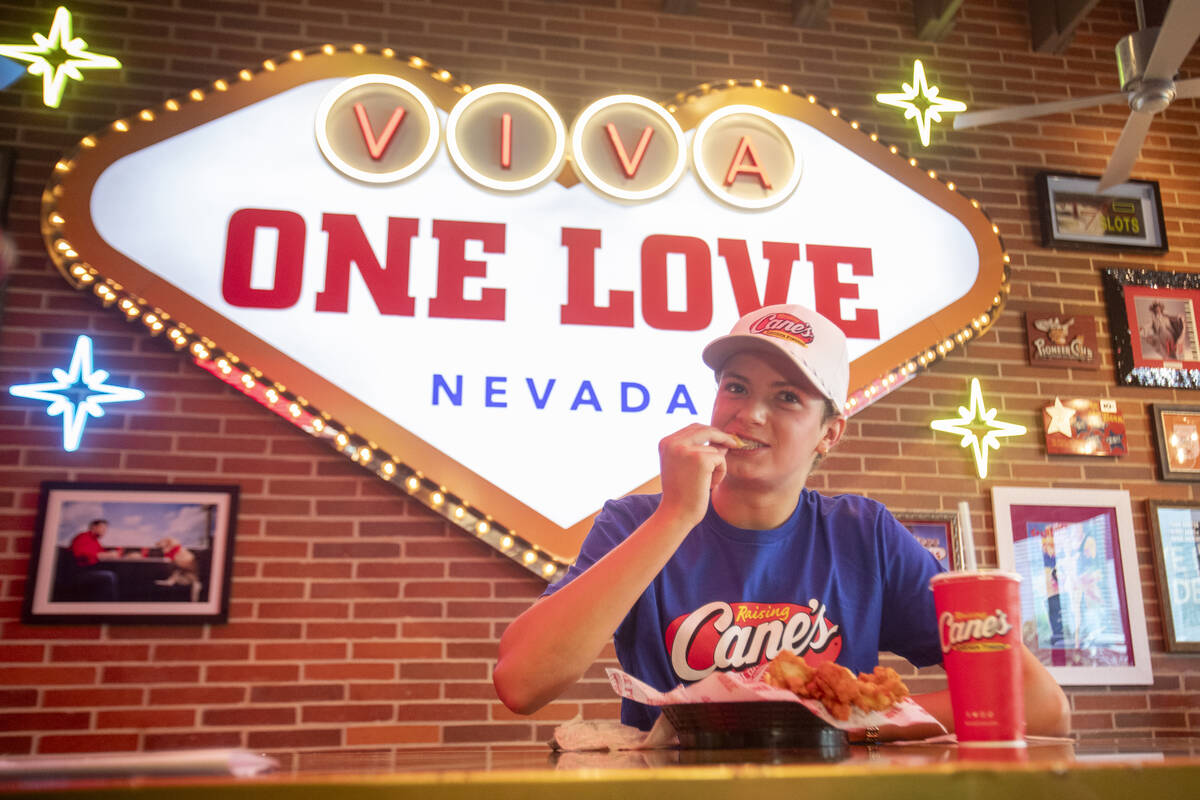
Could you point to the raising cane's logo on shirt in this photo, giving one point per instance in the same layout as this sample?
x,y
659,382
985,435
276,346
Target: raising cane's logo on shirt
x,y
724,637
784,326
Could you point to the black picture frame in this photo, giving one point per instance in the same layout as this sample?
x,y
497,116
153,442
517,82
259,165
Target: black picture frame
x,y
1073,214
164,556
1141,360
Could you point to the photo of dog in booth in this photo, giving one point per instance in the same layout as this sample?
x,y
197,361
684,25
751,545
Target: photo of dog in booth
x,y
123,556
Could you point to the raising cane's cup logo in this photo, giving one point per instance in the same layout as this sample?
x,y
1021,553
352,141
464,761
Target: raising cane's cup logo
x,y
784,326
974,632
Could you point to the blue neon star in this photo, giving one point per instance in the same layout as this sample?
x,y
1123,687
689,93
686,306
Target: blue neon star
x,y
76,394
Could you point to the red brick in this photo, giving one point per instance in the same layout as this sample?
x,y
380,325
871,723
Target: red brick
x,y
89,743
94,697
47,676
248,717
348,713
394,691
293,739
195,695
147,718
43,721
251,673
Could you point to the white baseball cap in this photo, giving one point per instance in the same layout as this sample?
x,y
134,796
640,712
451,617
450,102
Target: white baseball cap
x,y
810,341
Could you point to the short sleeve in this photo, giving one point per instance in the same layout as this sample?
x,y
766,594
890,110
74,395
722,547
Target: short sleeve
x,y
612,526
909,623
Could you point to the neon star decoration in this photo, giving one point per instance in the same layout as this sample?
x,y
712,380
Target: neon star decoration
x,y
57,56
77,393
920,102
969,423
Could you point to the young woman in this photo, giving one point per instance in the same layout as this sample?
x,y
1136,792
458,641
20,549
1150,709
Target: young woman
x,y
736,559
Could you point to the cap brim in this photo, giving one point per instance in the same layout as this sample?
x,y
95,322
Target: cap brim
x,y
723,348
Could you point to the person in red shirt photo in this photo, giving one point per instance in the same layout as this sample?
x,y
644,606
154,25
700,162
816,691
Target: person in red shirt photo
x,y
90,578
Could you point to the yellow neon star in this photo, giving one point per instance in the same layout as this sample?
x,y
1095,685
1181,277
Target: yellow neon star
x,y
57,56
978,416
931,106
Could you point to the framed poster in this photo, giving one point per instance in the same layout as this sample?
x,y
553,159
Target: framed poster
x,y
131,553
1177,436
1176,527
1125,217
938,532
1152,318
1081,597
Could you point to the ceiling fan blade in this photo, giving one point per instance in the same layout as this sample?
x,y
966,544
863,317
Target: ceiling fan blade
x,y
1125,154
1188,88
1180,29
971,119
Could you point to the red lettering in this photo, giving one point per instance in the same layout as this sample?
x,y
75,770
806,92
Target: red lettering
x,y
239,258
581,308
454,269
506,140
630,165
830,291
348,245
376,147
780,258
699,304
745,150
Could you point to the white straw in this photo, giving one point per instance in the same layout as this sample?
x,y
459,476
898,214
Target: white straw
x,y
966,535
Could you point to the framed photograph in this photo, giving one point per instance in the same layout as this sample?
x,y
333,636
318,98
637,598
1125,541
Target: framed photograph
x,y
131,553
1177,435
937,531
1176,526
1125,217
1152,319
1081,596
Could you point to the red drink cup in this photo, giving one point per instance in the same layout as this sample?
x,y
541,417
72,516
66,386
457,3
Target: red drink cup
x,y
979,621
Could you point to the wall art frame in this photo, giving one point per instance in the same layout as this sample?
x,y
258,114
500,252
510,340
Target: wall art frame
x,y
1152,317
131,553
1074,214
938,532
1081,599
1176,537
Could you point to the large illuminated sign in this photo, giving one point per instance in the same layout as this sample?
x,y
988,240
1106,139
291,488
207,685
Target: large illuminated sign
x,y
500,312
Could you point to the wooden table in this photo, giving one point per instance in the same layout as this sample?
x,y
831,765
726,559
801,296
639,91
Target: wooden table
x,y
1124,768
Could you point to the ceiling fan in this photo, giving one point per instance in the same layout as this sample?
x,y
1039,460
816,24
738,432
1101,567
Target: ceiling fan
x,y
1147,63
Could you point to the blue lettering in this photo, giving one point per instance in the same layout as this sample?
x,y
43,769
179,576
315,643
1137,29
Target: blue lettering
x,y
493,392
625,406
681,399
585,395
454,395
540,402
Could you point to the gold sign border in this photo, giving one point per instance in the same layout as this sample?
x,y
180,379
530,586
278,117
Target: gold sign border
x,y
425,473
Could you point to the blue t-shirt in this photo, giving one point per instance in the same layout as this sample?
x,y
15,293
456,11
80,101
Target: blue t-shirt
x,y
840,580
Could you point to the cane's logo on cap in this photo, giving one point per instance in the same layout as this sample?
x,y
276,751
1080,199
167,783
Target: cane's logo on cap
x,y
784,326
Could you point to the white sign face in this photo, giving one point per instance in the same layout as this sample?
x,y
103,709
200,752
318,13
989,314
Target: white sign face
x,y
543,338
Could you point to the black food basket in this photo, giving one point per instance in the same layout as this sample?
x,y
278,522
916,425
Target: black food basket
x,y
753,724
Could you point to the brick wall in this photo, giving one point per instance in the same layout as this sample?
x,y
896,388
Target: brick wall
x,y
359,619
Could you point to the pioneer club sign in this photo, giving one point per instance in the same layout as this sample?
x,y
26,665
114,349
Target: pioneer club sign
x,y
509,303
